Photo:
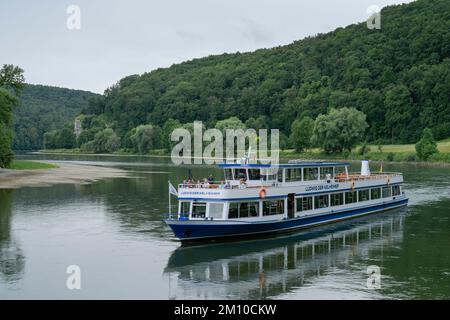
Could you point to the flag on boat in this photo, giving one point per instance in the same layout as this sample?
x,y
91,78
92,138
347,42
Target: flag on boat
x,y
172,189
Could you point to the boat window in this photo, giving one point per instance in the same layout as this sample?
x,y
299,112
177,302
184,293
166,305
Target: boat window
x,y
337,199
395,190
363,195
269,174
321,201
311,173
228,174
253,209
273,207
304,204
215,210
293,174
339,172
386,192
184,208
254,174
326,173
233,212
350,197
240,174
375,193
243,209
280,175
198,209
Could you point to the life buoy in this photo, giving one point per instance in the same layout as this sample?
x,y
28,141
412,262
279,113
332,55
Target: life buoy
x,y
262,193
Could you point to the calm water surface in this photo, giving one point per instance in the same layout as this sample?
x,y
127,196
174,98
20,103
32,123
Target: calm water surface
x,y
112,229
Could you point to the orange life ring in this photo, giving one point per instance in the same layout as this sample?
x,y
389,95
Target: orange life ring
x,y
262,193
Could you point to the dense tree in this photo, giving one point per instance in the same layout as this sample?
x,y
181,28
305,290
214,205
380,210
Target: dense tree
x,y
426,146
339,129
104,141
399,76
146,138
12,78
230,123
261,122
43,109
59,139
301,133
11,85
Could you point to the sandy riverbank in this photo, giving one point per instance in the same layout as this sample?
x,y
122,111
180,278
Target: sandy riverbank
x,y
65,173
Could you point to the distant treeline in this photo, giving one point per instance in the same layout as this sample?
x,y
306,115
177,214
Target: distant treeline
x,y
44,108
398,76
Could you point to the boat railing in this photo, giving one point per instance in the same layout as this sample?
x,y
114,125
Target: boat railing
x,y
351,177
205,185
223,185
359,177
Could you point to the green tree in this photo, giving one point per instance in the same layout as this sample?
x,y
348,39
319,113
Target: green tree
x,y
339,129
105,141
65,139
146,137
301,133
258,123
12,78
230,123
50,139
11,85
426,146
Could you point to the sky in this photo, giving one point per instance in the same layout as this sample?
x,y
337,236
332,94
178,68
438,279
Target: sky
x,y
117,38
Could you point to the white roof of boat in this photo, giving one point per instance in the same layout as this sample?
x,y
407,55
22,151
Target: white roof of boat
x,y
296,164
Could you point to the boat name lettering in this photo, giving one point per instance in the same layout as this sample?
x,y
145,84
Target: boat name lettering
x,y
199,192
322,187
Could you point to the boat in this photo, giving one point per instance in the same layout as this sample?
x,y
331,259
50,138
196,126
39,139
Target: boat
x,y
259,199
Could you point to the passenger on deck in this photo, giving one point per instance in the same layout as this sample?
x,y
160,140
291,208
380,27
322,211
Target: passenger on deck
x,y
242,184
205,183
210,179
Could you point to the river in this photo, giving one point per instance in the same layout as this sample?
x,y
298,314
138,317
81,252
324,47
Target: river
x,y
112,230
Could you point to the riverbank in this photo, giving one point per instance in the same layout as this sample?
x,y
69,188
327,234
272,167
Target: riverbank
x,y
31,165
63,173
387,155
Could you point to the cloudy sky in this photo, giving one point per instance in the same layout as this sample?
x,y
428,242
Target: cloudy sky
x,y
118,38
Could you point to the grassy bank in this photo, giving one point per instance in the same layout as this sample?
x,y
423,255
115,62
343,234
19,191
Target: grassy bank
x,y
389,152
30,165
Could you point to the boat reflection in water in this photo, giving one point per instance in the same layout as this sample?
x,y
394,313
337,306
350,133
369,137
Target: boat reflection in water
x,y
270,268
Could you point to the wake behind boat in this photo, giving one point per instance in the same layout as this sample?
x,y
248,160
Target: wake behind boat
x,y
257,199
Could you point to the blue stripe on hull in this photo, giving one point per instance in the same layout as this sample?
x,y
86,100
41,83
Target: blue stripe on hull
x,y
191,231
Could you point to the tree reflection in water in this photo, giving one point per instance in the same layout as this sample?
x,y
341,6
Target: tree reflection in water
x,y
12,260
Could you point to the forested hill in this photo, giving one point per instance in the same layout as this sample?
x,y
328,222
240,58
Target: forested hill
x,y
399,76
43,108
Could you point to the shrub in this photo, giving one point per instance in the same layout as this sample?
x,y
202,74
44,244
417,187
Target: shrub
x,y
426,146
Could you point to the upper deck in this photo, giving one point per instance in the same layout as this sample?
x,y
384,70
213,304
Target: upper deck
x,y
245,180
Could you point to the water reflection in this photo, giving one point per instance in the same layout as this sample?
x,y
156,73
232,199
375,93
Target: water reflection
x,y
267,268
12,259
